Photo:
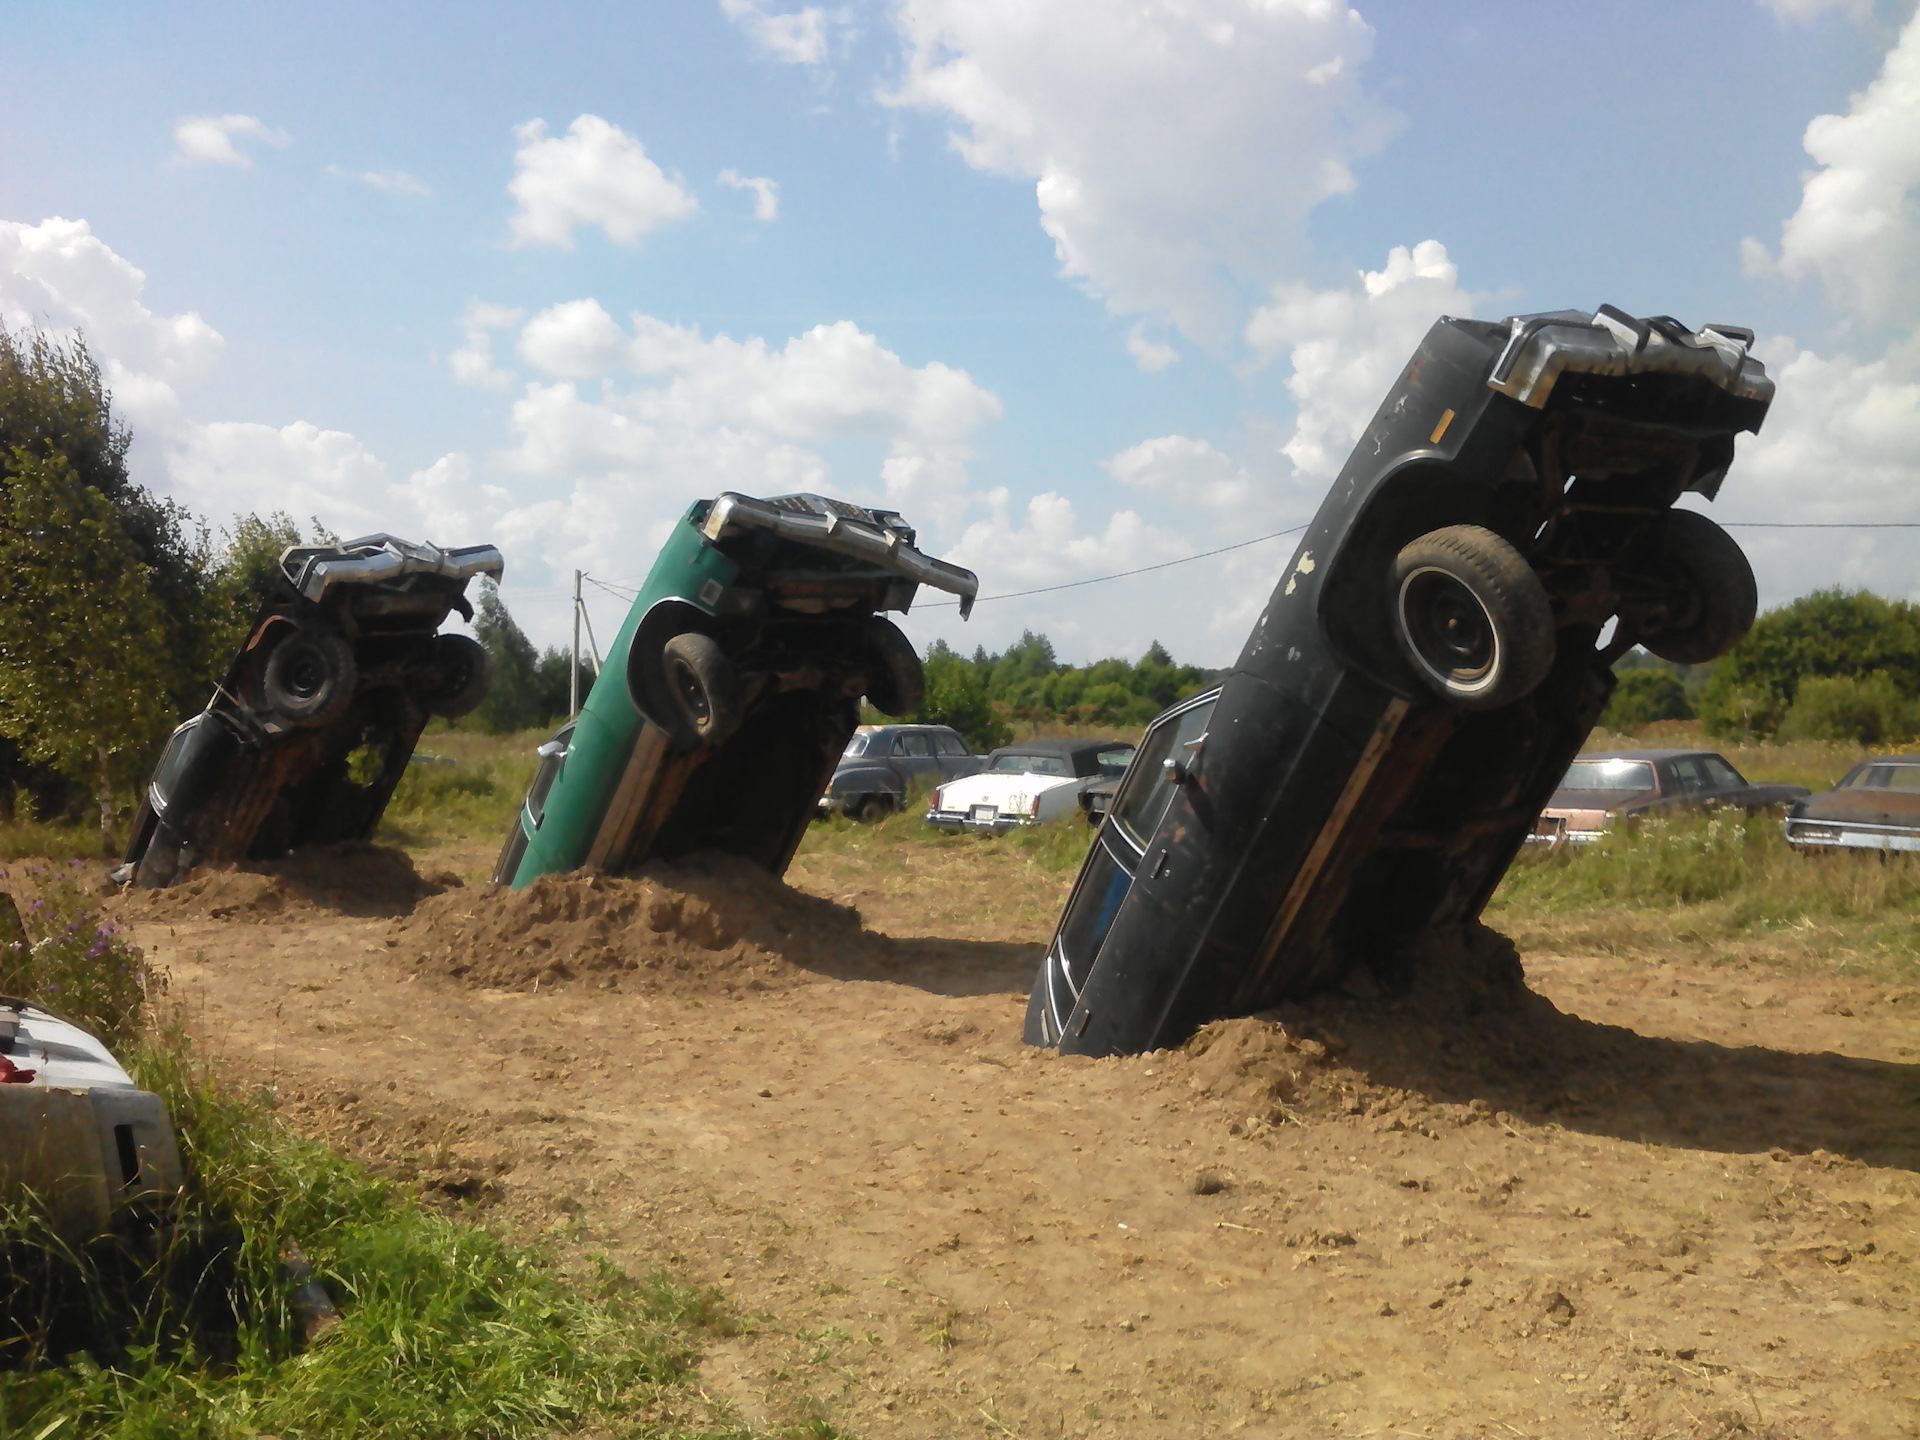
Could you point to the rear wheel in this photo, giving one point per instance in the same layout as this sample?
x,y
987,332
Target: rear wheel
x,y
896,683
870,809
456,678
1721,596
309,678
1472,617
702,690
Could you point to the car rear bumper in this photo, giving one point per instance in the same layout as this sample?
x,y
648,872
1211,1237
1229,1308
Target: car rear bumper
x,y
1553,832
995,823
1836,835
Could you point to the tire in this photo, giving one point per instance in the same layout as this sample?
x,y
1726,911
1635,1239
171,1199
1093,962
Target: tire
x,y
456,677
309,678
896,683
870,809
1472,617
1720,587
702,690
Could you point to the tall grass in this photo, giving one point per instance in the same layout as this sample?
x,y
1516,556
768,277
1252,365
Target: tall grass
x,y
1721,879
182,1325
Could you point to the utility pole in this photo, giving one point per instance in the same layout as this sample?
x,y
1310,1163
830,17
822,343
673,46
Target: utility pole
x,y
573,670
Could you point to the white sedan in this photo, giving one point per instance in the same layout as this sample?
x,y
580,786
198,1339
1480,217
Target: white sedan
x,y
1027,784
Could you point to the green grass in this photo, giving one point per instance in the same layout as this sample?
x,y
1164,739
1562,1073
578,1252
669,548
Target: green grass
x,y
186,1329
1729,883
1058,845
474,798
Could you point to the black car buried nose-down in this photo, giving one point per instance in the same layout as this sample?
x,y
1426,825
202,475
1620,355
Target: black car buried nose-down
x,y
1435,653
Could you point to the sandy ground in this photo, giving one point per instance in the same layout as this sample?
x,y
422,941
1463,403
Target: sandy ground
x,y
1677,1200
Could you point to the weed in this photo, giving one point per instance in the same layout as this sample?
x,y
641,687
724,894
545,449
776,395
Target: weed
x,y
72,959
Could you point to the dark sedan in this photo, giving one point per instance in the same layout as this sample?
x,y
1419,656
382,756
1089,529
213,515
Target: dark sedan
x,y
1628,784
883,762
1431,660
1877,807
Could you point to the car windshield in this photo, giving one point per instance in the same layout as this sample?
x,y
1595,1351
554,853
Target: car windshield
x,y
1034,764
1608,775
1886,777
856,747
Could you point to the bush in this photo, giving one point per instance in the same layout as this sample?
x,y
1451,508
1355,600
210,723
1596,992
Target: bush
x,y
957,696
1863,709
74,961
1640,697
1828,634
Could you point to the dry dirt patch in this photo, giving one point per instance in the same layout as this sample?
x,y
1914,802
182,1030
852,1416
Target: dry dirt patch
x,y
1628,1201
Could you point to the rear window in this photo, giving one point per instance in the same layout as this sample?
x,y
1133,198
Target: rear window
x,y
1609,775
1033,764
856,747
1114,762
1886,777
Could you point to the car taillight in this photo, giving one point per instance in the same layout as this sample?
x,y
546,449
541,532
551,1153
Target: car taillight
x,y
1033,808
939,795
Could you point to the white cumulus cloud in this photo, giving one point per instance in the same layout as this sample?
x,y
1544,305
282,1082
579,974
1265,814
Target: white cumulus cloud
x,y
472,363
1149,354
387,182
1346,347
208,139
797,37
1176,146
1858,225
595,174
766,193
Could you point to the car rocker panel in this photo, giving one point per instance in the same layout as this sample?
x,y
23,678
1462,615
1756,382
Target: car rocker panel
x,y
731,689
1424,671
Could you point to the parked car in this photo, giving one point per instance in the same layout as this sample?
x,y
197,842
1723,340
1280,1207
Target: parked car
x,y
305,738
74,1129
1875,807
882,763
1096,797
1627,784
730,694
1026,784
1434,654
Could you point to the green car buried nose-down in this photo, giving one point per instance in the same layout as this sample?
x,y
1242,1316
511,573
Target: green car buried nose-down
x,y
731,690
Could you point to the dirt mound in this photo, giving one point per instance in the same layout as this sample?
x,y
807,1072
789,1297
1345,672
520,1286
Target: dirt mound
x,y
360,880
710,923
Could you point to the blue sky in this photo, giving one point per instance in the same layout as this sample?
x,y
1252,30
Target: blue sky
x,y
1077,286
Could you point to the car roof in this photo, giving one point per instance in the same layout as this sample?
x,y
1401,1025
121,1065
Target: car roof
x,y
894,729
1061,747
1892,760
1646,754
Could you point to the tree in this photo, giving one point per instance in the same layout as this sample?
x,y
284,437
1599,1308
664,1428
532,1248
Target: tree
x,y
957,696
83,646
53,402
1644,695
1826,634
529,689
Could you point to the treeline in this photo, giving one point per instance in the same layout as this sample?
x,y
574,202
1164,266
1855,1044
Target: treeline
x,y
119,610
983,694
1833,665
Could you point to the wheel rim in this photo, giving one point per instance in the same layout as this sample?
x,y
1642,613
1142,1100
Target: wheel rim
x,y
1451,634
305,675
692,694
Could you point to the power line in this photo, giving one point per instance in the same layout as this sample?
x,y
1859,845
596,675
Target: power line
x,y
625,592
1120,574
